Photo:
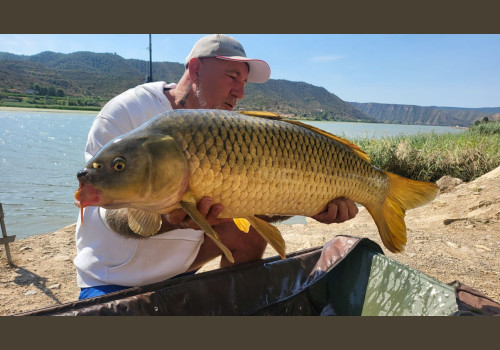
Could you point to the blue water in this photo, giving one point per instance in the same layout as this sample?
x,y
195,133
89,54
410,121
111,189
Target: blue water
x,y
370,130
41,152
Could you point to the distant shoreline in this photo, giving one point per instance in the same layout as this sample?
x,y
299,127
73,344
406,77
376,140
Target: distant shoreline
x,y
27,109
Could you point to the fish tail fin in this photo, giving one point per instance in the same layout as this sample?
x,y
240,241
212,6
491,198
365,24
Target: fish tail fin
x,y
403,194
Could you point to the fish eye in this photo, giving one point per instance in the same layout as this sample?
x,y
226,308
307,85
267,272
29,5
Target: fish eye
x,y
119,163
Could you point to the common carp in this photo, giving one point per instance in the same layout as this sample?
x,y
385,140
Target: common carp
x,y
253,163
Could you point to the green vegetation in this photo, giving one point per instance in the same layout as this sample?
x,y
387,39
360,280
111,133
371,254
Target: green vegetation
x,y
430,156
49,97
45,91
486,128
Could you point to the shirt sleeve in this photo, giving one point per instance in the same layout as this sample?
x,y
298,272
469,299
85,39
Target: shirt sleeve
x,y
124,113
104,129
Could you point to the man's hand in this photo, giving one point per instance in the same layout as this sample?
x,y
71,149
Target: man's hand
x,y
179,219
337,211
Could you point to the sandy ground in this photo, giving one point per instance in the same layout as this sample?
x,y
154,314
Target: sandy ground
x,y
456,237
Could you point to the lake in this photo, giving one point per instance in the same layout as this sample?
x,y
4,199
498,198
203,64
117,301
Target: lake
x,y
41,152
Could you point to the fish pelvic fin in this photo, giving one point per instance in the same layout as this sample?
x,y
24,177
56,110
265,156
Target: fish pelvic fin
x,y
143,223
242,224
403,194
190,208
270,233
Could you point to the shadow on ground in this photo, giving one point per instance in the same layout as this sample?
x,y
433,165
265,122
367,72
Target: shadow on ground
x,y
27,277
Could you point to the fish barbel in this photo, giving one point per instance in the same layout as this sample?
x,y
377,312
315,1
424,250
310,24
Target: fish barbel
x,y
253,163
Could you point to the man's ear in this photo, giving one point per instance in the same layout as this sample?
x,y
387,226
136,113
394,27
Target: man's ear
x,y
194,68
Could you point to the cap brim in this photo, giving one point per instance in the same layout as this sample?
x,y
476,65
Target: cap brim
x,y
260,72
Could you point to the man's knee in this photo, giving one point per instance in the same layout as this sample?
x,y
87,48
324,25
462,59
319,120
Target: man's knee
x,y
252,245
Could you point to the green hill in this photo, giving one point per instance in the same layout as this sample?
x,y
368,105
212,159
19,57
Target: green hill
x,y
88,80
102,76
409,114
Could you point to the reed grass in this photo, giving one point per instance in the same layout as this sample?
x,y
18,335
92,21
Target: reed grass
x,y
429,156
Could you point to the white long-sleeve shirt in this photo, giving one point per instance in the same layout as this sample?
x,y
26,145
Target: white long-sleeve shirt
x,y
104,256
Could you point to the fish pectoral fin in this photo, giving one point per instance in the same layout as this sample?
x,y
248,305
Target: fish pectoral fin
x,y
270,233
143,223
199,219
242,224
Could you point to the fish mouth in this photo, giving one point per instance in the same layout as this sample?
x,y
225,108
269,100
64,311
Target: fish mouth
x,y
87,195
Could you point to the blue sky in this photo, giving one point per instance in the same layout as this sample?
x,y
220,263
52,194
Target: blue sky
x,y
452,70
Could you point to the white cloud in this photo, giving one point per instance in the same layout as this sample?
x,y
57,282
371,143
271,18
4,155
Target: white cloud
x,y
25,44
326,58
31,44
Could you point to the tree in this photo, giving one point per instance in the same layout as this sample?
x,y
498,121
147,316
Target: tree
x,y
51,91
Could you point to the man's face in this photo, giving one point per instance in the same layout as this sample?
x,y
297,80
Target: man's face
x,y
221,83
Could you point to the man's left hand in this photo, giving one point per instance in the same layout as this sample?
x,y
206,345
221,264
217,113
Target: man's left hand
x,y
337,211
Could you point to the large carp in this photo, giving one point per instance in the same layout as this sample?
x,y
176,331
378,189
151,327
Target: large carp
x,y
253,164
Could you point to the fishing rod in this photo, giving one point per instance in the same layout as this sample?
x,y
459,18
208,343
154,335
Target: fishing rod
x,y
149,78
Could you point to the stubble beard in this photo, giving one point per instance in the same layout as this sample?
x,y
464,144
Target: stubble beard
x,y
200,96
198,93
202,102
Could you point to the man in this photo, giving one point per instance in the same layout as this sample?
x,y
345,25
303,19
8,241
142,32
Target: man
x,y
217,71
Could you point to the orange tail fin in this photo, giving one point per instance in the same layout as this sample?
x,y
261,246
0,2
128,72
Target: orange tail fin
x,y
403,194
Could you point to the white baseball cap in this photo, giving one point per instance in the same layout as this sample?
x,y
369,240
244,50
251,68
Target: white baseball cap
x,y
228,48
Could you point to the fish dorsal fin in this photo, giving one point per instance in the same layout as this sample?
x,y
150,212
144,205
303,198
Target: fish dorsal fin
x,y
188,203
339,139
242,224
143,223
270,233
262,114
274,116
